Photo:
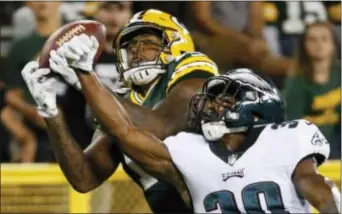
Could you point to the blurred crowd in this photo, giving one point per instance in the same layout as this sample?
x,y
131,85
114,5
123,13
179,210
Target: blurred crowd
x,y
295,43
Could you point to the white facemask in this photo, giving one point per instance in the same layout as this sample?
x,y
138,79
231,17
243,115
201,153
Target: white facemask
x,y
143,74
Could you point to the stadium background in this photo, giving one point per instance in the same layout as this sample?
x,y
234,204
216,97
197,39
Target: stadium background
x,y
40,187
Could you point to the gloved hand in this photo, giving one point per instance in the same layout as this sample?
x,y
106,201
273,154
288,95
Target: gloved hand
x,y
60,65
42,88
80,52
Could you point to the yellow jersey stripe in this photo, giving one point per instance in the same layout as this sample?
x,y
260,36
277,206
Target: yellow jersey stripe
x,y
193,64
205,67
132,98
139,98
192,59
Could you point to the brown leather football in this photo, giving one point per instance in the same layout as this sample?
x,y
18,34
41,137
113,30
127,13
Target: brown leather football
x,y
67,32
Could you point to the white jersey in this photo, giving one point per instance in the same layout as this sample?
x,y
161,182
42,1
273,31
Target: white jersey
x,y
256,180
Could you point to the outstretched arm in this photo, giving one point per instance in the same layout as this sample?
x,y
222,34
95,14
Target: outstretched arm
x,y
318,190
147,150
169,118
85,170
114,118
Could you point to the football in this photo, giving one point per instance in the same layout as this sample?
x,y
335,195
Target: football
x,y
67,32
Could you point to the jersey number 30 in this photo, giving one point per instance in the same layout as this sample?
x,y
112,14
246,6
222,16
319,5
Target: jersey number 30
x,y
251,198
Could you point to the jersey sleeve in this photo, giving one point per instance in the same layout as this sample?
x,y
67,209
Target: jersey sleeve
x,y
308,142
191,65
174,147
180,147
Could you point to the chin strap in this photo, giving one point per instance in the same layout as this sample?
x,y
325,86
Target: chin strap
x,y
143,74
214,131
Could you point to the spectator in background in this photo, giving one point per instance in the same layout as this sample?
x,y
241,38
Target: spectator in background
x,y
114,15
239,22
334,16
22,146
231,33
24,22
176,8
313,90
4,135
18,99
286,20
24,19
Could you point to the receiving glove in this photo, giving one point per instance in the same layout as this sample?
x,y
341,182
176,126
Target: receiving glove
x,y
41,88
80,52
59,65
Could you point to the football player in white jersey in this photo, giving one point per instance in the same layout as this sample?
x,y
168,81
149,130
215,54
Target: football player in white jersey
x,y
248,159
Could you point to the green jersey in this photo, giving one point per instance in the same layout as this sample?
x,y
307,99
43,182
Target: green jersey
x,y
22,52
188,65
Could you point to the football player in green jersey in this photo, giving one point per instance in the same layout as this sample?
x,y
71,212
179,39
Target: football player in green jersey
x,y
157,61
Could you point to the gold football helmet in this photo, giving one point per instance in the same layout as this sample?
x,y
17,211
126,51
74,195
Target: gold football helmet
x,y
176,40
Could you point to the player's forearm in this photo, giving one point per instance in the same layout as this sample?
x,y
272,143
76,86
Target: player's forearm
x,y
102,102
104,105
319,191
329,207
70,155
147,119
139,145
333,205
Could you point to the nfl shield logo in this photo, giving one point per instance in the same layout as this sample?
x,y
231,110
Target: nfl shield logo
x,y
232,159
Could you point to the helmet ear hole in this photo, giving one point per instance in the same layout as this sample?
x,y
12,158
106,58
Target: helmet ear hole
x,y
251,96
256,116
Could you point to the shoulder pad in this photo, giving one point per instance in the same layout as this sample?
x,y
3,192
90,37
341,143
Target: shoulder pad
x,y
311,141
194,64
181,148
300,139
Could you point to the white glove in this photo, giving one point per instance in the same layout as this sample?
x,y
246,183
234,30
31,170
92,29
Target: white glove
x,y
80,52
60,65
41,88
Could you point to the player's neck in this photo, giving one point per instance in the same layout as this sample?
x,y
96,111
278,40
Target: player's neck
x,y
233,141
45,27
143,90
